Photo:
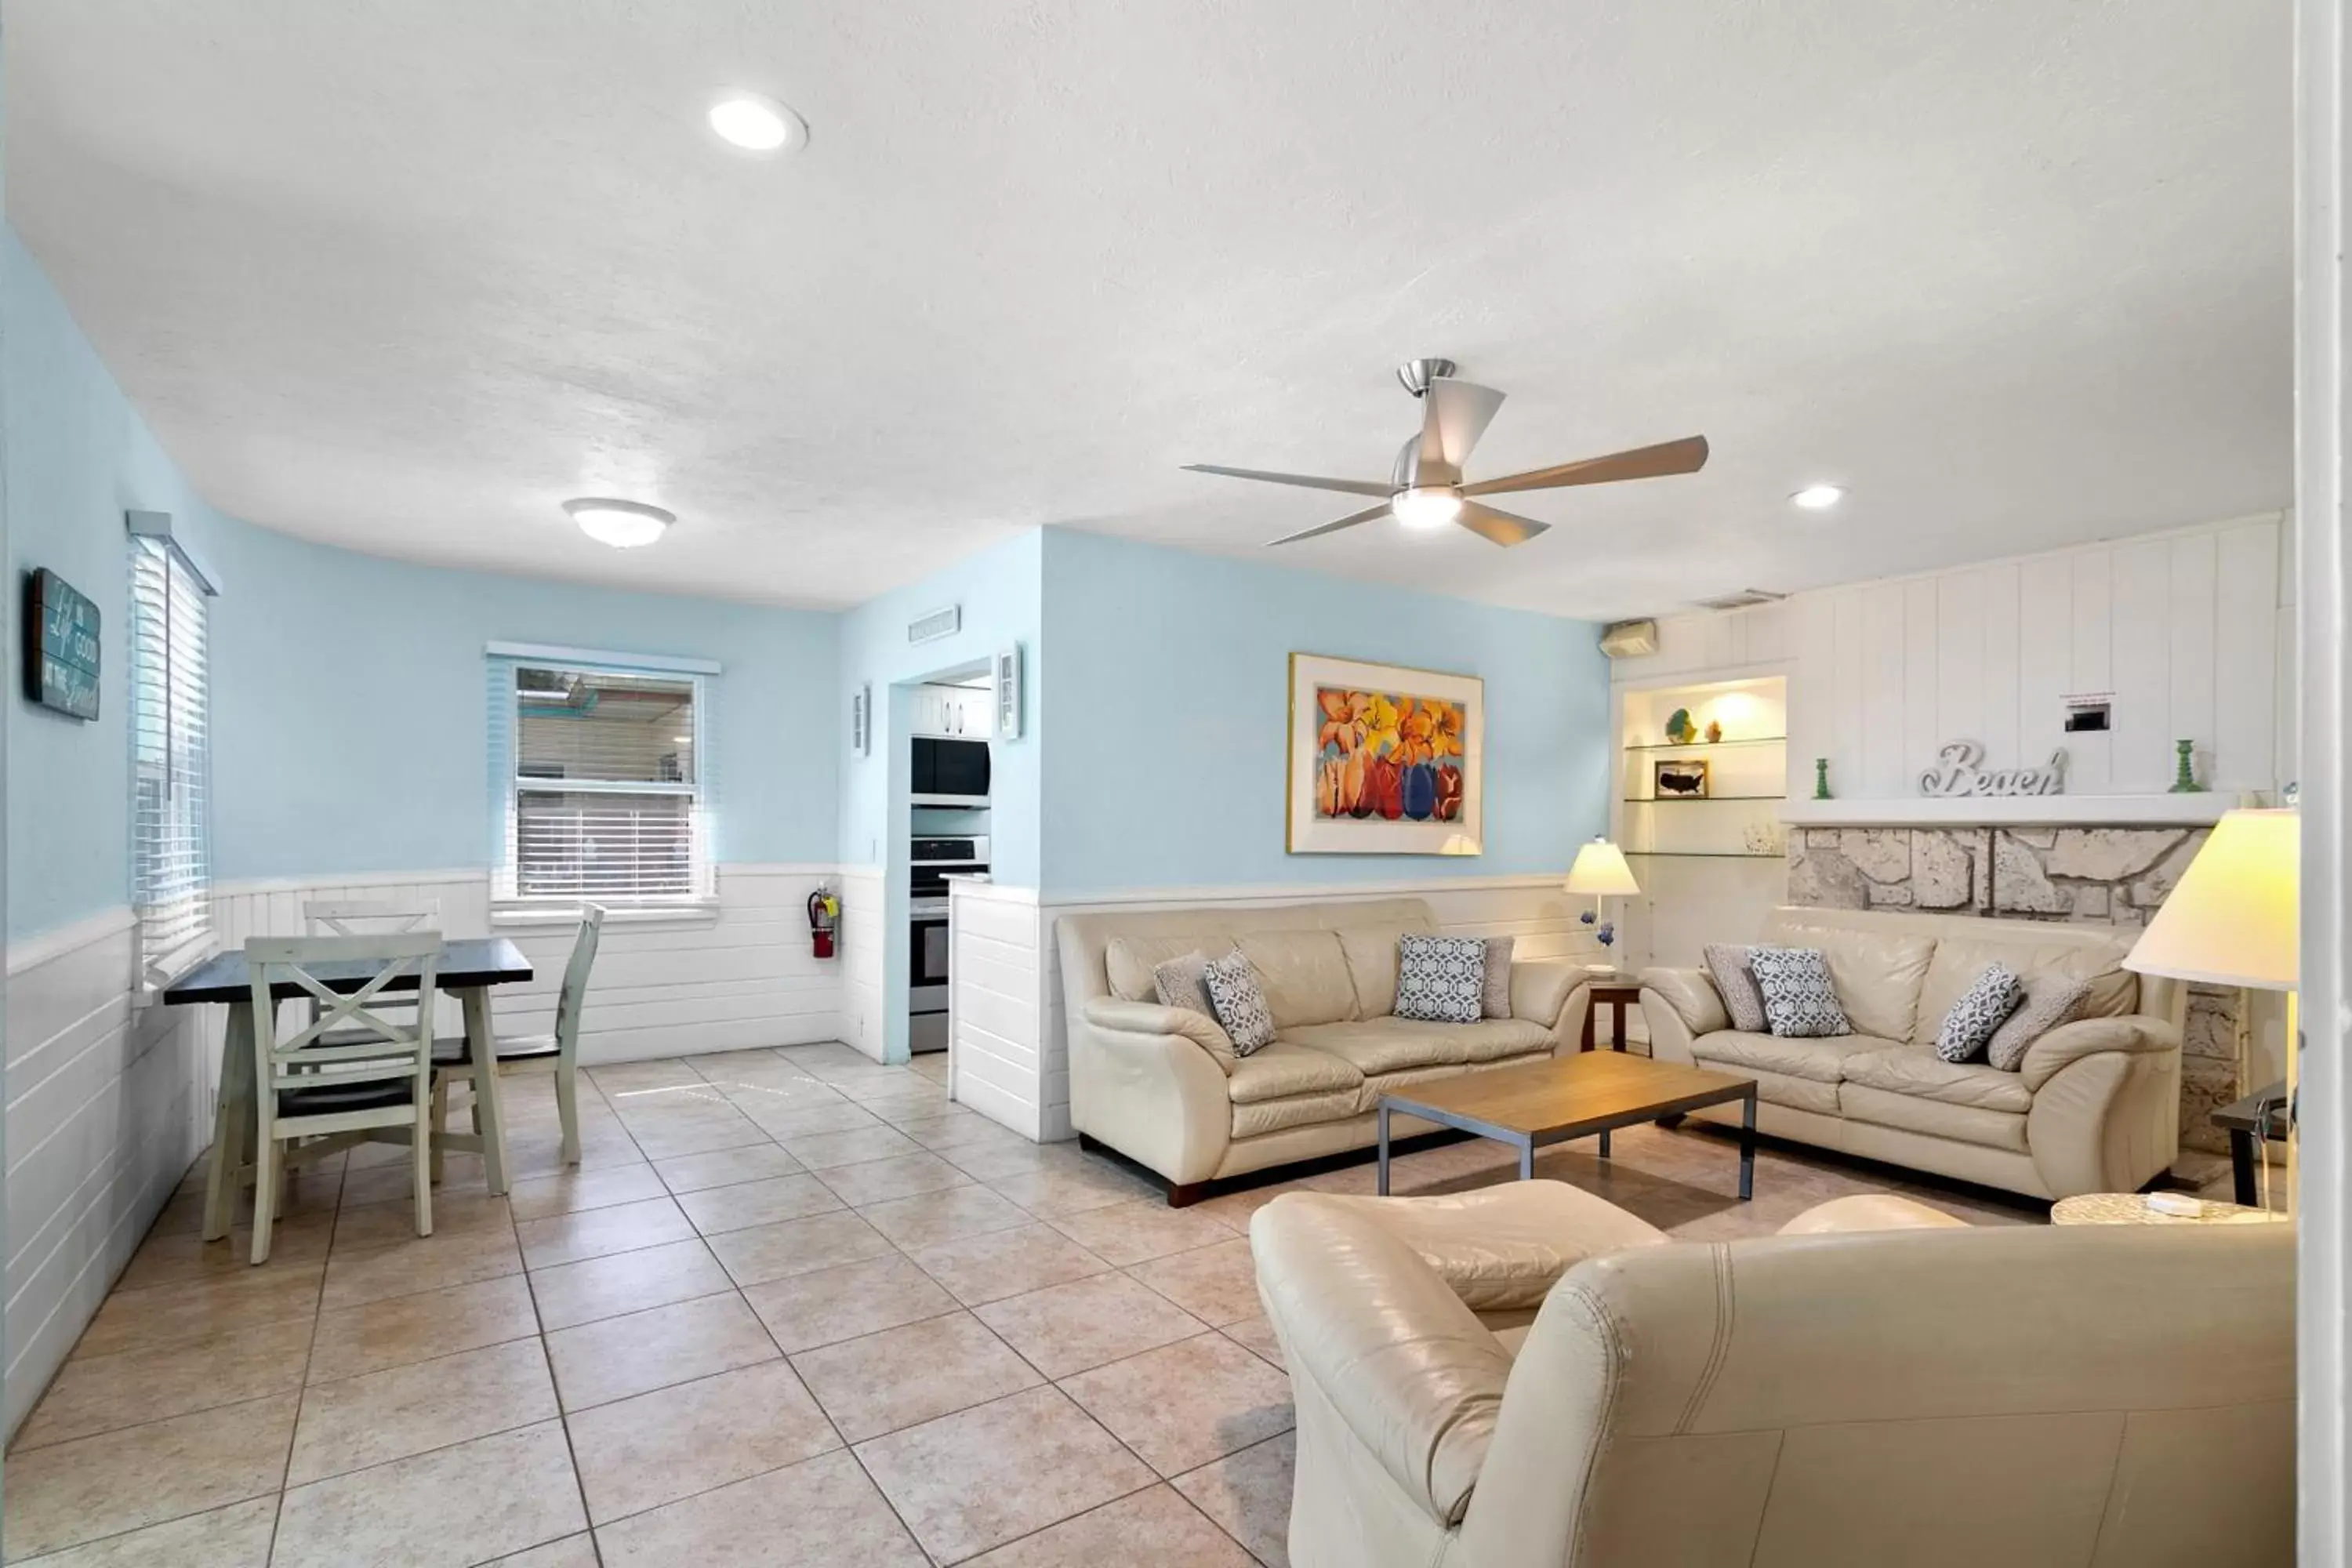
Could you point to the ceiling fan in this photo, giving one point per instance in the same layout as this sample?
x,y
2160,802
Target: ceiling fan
x,y
1427,490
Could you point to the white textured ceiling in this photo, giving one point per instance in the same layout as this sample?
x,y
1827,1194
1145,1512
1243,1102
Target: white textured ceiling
x,y
403,275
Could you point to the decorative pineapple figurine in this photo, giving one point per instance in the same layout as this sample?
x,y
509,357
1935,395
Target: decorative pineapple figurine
x,y
2184,777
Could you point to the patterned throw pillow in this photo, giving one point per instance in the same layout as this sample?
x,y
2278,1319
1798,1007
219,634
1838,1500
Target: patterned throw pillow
x,y
1990,999
1495,1001
1736,983
2052,997
1240,1003
1180,984
1441,979
1799,1003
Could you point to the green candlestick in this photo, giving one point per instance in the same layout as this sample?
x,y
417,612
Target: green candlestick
x,y
1820,778
2184,778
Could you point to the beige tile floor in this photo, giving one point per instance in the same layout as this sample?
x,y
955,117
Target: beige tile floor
x,y
793,1306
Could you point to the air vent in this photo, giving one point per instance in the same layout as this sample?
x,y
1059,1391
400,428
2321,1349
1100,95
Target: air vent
x,y
1742,599
937,624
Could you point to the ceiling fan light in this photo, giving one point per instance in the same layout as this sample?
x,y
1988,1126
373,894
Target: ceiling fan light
x,y
622,524
1818,498
1426,506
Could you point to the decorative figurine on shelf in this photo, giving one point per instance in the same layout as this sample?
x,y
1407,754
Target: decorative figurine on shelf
x,y
1714,732
1679,727
2184,777
1820,778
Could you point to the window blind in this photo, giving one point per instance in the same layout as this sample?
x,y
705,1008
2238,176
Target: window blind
x,y
606,797
170,757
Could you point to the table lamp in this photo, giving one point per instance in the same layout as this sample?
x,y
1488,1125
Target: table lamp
x,y
1600,870
2232,921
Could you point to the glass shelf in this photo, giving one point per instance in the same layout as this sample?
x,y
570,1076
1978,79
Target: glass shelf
x,y
1703,745
1691,799
1701,854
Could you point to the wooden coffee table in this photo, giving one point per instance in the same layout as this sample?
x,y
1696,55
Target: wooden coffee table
x,y
1559,1098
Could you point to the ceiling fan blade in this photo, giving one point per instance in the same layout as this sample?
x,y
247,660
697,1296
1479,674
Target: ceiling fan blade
x,y
1367,515
1687,456
1454,415
1504,528
1304,481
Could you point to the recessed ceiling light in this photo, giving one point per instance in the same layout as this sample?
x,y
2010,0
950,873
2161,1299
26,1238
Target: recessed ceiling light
x,y
681,740
1818,498
622,524
756,124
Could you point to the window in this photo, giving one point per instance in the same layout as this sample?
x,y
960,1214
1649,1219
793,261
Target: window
x,y
170,759
605,801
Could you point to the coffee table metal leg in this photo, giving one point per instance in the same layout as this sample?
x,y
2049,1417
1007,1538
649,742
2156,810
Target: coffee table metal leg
x,y
1384,1151
1748,1147
1528,1159
1604,1145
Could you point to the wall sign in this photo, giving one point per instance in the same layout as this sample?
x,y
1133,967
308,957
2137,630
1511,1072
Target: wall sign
x,y
1956,773
61,662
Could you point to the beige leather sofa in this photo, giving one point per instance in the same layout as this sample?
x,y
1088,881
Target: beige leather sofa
x,y
2097,1107
1164,1088
1842,1396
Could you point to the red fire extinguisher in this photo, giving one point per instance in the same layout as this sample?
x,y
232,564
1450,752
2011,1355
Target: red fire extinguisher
x,y
824,911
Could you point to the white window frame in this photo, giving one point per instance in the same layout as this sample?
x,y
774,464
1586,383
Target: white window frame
x,y
511,906
154,546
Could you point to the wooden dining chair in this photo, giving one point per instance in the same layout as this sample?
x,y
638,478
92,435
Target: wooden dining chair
x,y
371,916
354,1067
453,1059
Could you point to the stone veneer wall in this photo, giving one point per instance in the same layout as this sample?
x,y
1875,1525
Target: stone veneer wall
x,y
2111,875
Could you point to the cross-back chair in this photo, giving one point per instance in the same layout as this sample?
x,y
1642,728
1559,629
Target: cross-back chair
x,y
371,917
559,1052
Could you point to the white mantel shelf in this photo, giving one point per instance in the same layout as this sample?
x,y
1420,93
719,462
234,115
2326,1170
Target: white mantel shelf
x,y
2015,811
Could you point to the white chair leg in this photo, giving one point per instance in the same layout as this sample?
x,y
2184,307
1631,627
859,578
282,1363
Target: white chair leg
x,y
266,1172
440,1122
567,1106
424,1154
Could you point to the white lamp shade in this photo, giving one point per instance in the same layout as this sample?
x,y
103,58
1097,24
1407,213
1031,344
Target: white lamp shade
x,y
2231,920
1601,868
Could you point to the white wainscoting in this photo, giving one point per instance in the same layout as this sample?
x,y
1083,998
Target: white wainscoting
x,y
863,962
108,1106
1009,1030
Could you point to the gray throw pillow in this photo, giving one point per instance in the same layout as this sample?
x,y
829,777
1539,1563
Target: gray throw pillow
x,y
1736,983
1240,1003
2052,997
1180,984
1988,1002
1799,1003
1441,979
1495,1001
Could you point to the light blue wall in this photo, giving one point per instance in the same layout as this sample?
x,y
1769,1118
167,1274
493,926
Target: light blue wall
x,y
78,458
1170,699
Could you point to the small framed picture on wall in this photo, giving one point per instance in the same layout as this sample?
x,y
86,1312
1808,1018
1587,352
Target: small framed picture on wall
x,y
1681,778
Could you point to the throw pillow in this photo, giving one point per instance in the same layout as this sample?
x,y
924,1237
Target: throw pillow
x,y
1495,1001
1799,1003
1240,1003
2052,997
1736,983
1988,1002
1441,979
1180,985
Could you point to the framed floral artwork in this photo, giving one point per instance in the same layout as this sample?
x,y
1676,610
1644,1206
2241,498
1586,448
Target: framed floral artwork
x,y
1383,759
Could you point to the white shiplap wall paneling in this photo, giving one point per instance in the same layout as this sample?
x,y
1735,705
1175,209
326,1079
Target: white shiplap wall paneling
x,y
996,1006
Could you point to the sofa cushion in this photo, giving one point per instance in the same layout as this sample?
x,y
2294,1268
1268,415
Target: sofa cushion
x,y
1912,1113
1371,953
1503,1248
1984,1006
1494,998
1726,966
1304,974
1779,1089
1494,1039
2052,998
1183,983
1262,1116
1241,1001
1282,1069
1400,1081
1799,1003
1877,974
1376,1045
1958,960
1821,1060
1129,961
1907,1069
1441,979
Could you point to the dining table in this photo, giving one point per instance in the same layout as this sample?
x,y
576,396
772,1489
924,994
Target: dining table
x,y
469,967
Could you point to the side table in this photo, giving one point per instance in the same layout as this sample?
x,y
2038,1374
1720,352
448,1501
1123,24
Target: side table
x,y
1615,992
2131,1208
2261,1116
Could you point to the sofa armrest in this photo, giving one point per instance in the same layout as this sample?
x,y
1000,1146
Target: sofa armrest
x,y
1151,1019
2070,1043
1540,988
1869,1211
1415,1378
1691,994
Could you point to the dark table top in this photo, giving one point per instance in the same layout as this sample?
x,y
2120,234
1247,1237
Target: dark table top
x,y
465,963
2243,1115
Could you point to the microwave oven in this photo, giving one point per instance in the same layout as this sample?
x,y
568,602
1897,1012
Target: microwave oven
x,y
949,773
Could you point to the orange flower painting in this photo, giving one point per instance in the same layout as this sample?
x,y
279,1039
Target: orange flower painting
x,y
1388,755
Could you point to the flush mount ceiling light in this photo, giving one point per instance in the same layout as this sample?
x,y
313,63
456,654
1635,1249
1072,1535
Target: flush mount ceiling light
x,y
1818,498
756,124
622,524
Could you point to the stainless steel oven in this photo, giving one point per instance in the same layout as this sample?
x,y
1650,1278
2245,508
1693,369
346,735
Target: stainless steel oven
x,y
929,864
